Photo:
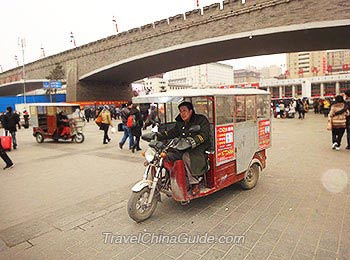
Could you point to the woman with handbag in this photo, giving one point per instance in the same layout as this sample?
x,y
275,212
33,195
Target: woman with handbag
x,y
106,121
338,121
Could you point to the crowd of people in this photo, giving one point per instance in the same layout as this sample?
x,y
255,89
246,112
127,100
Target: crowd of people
x,y
336,109
289,107
142,116
136,118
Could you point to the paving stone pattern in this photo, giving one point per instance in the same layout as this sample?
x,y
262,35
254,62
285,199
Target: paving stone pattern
x,y
60,198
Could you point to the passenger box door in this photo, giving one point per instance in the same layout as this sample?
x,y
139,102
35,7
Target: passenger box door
x,y
245,131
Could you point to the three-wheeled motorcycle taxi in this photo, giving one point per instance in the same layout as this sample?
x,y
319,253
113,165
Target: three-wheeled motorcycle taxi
x,y
240,133
57,121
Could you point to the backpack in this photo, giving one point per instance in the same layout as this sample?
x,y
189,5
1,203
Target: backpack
x,y
131,122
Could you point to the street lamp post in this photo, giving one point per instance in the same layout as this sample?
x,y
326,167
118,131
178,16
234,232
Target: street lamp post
x,y
22,44
72,39
16,59
42,52
115,25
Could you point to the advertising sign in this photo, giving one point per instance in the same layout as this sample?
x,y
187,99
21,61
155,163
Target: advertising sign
x,y
264,134
224,144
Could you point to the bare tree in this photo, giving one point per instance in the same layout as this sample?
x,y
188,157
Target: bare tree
x,y
57,74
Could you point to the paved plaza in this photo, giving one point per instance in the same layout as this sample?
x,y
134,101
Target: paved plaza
x,y
61,199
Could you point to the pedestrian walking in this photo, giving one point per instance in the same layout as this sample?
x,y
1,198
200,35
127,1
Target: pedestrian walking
x,y
18,118
315,106
87,113
347,110
26,119
125,113
282,108
6,158
326,107
306,105
10,121
105,123
2,120
117,113
347,100
136,130
277,110
152,118
300,109
338,122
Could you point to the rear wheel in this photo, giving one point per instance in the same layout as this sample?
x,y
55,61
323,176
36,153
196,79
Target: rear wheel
x,y
39,138
137,206
251,177
79,138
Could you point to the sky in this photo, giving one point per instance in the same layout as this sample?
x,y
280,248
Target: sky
x,y
47,25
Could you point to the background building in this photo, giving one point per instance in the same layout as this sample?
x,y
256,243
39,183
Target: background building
x,y
246,76
338,61
317,63
150,85
202,76
311,87
306,64
270,72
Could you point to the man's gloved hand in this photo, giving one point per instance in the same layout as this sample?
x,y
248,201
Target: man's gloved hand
x,y
156,135
191,141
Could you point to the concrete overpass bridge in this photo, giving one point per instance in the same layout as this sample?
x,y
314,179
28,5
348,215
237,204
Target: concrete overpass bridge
x,y
105,68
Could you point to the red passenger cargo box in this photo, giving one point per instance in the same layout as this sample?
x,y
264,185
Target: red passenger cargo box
x,y
6,142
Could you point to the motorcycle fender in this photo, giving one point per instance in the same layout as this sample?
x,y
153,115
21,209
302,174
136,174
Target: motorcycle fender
x,y
140,185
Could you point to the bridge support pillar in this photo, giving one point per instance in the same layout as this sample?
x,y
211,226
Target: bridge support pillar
x,y
98,91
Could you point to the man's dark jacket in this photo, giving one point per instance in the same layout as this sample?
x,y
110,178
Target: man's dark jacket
x,y
197,154
124,114
10,120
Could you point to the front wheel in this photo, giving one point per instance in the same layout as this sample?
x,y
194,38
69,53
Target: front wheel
x,y
39,138
251,177
137,206
79,138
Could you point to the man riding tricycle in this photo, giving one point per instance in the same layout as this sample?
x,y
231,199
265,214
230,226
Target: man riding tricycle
x,y
57,121
209,139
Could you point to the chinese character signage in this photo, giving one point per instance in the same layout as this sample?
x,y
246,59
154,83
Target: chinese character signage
x,y
224,144
264,134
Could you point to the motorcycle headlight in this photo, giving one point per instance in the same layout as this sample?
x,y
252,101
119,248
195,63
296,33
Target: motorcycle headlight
x,y
150,154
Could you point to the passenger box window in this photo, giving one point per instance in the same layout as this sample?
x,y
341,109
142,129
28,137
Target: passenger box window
x,y
171,112
240,109
204,106
224,110
250,107
263,106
